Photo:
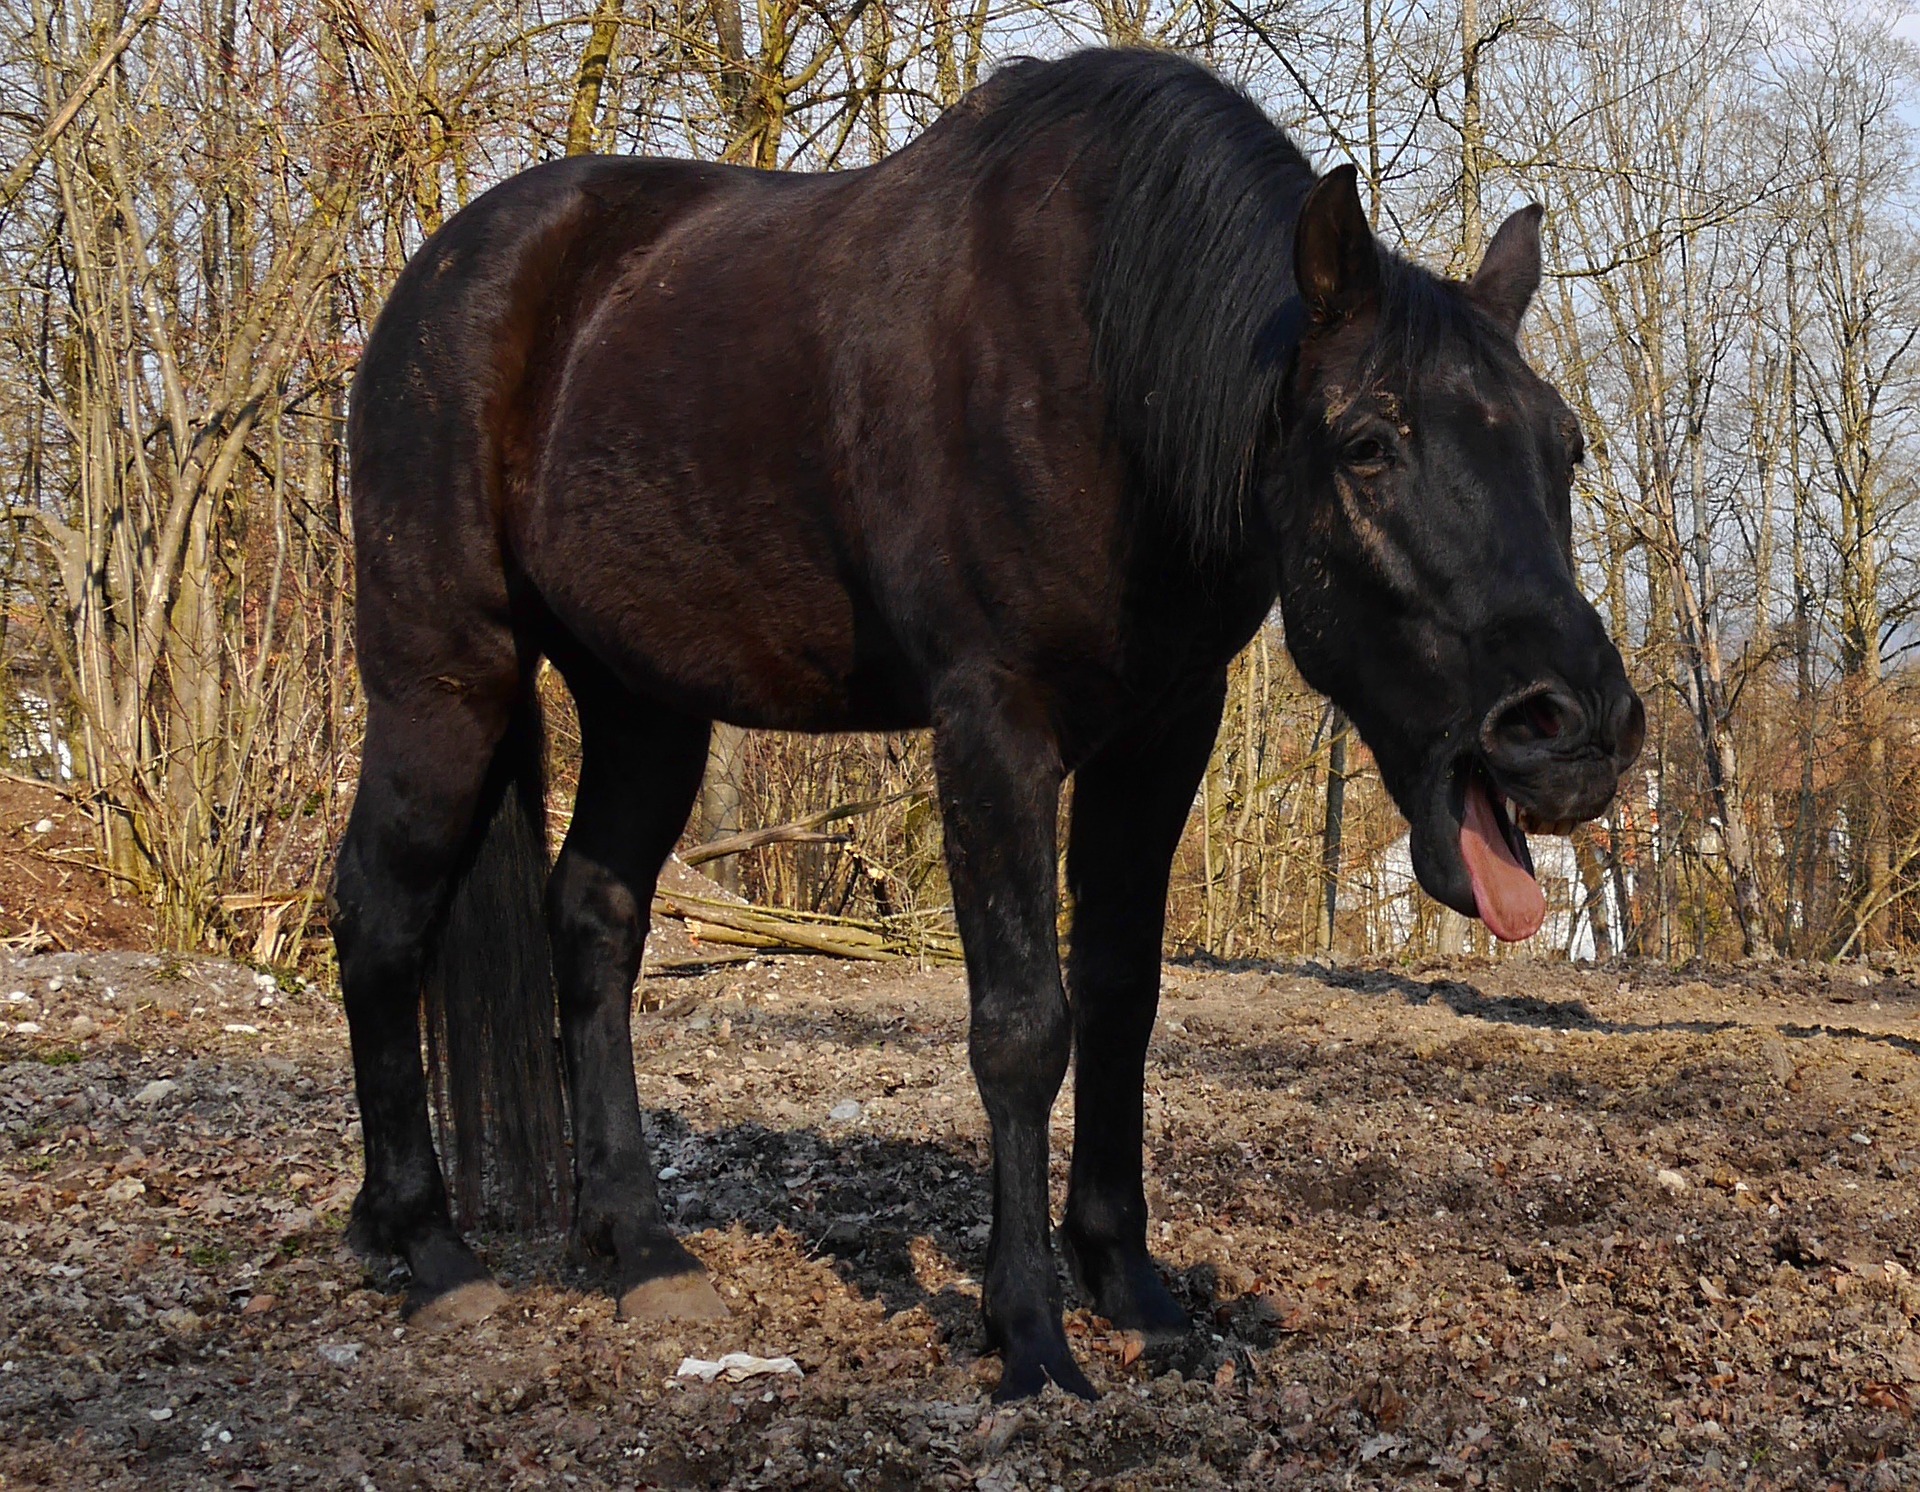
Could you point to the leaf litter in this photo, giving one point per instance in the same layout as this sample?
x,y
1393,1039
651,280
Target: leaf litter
x,y
1427,1222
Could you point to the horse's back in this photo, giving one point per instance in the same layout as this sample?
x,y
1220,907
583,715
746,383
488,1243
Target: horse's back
x,y
822,435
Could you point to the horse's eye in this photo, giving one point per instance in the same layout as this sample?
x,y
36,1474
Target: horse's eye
x,y
1367,455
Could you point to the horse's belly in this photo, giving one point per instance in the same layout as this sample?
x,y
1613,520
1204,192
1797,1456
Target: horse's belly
x,y
774,645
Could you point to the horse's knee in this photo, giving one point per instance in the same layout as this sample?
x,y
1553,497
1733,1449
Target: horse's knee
x,y
347,897
588,899
380,923
1020,1049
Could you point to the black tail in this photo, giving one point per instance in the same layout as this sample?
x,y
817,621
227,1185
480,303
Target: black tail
x,y
492,1037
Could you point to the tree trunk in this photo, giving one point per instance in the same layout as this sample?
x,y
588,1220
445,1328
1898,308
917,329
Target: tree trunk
x,y
1332,826
602,38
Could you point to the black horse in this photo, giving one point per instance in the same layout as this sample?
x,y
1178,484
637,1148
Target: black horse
x,y
1016,435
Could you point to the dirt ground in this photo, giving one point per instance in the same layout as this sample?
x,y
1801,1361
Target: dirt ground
x,y
52,894
1529,1227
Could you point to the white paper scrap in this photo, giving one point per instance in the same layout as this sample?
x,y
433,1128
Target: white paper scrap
x,y
736,1366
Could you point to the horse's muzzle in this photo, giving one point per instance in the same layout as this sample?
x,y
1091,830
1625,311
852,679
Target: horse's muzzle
x,y
1559,753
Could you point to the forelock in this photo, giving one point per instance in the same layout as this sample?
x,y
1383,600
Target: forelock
x,y
1426,329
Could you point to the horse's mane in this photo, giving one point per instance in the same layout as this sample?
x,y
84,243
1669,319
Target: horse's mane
x,y
1194,260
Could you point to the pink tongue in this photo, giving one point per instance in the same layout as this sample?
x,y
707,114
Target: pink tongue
x,y
1506,895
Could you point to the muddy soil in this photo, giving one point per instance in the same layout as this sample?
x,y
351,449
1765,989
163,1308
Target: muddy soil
x,y
1529,1227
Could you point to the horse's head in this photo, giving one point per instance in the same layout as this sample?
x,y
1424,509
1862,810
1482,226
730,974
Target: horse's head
x,y
1422,497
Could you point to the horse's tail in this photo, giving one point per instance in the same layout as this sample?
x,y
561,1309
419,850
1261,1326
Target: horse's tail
x,y
492,1049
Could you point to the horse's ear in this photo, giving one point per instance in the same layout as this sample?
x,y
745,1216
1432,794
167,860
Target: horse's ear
x,y
1507,278
1335,262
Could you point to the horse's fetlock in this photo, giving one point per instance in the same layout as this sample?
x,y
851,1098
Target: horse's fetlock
x,y
1098,1227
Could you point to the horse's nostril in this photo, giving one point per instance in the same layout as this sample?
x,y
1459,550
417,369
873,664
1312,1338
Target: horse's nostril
x,y
1543,717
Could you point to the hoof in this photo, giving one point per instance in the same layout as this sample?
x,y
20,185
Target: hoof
x,y
1130,1294
464,1305
688,1296
1152,1323
1022,1378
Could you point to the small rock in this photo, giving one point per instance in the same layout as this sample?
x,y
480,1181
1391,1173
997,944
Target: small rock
x,y
843,1233
83,1026
999,1430
157,1091
160,1415
1671,1182
19,997
240,1028
43,826
341,1354
27,1028
845,1112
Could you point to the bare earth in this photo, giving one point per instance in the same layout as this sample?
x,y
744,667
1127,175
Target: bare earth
x,y
1522,1228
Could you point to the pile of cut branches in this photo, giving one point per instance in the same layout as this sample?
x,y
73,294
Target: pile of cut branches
x,y
923,936
919,936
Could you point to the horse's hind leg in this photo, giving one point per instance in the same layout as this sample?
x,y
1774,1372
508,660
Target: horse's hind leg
x,y
1130,803
423,774
640,770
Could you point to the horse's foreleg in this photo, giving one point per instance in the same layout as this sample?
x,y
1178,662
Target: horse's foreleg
x,y
423,772
999,775
1130,804
640,770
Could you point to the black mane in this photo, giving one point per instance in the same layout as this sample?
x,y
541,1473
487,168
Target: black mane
x,y
1192,298
1194,261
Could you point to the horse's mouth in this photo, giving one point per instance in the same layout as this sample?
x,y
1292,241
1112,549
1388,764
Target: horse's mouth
x,y
1494,852
1495,878
1475,857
